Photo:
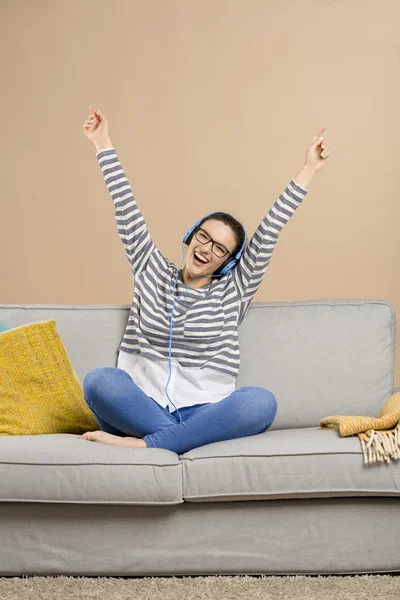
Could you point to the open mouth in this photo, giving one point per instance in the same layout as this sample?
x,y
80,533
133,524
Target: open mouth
x,y
197,262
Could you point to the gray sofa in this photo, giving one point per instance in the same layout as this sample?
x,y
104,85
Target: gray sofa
x,y
295,499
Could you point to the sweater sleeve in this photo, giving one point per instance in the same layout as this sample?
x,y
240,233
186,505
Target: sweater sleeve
x,y
131,225
250,270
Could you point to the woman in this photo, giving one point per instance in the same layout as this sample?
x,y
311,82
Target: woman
x,y
202,305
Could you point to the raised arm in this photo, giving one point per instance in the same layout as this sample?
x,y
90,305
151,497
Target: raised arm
x,y
131,225
249,272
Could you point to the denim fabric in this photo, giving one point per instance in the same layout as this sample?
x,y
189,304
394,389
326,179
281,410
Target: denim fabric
x,y
120,407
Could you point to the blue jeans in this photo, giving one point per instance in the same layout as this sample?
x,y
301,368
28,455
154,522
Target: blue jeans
x,y
120,407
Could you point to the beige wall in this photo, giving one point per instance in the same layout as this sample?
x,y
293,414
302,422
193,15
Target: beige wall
x,y
211,105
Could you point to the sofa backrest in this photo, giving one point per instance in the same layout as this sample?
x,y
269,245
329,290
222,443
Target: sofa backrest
x,y
318,357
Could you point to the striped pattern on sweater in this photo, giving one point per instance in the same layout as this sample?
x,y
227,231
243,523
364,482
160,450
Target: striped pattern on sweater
x,y
205,320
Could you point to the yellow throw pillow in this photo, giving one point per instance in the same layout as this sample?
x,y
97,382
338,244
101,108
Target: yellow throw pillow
x,y
39,389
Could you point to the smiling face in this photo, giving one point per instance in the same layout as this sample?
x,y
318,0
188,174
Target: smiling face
x,y
224,236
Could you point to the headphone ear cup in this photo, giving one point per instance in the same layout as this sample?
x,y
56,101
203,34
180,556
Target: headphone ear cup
x,y
229,267
189,235
224,269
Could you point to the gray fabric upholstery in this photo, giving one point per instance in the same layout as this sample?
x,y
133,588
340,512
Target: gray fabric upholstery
x,y
294,499
318,357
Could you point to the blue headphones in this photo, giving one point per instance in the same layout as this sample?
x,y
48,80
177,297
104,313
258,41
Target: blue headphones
x,y
223,270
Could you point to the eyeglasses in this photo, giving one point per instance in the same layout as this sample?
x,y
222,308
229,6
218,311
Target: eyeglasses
x,y
218,249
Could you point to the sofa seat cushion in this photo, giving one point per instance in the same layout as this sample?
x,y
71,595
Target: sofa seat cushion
x,y
65,469
288,463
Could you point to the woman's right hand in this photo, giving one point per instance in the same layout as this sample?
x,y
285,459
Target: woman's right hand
x,y
95,126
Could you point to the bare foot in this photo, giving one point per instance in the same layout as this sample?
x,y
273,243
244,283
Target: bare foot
x,y
113,440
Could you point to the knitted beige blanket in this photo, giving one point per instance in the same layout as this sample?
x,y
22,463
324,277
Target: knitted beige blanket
x,y
378,441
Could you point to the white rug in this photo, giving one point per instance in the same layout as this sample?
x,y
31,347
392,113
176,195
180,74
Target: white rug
x,y
244,587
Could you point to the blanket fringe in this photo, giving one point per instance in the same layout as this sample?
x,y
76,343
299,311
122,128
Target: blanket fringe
x,y
380,445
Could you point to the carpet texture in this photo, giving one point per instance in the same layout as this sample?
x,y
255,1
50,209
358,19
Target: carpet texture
x,y
294,587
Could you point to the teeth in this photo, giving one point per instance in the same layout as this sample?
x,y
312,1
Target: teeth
x,y
200,258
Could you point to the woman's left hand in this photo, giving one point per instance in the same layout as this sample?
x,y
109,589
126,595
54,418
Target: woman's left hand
x,y
317,152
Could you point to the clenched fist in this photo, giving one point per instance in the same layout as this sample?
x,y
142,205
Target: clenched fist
x,y
95,127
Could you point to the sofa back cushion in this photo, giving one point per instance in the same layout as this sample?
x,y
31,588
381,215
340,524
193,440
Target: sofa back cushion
x,y
318,357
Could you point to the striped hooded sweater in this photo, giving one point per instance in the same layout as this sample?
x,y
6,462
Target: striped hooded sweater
x,y
205,355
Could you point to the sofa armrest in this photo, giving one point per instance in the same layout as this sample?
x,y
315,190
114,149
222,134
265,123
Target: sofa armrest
x,y
396,389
